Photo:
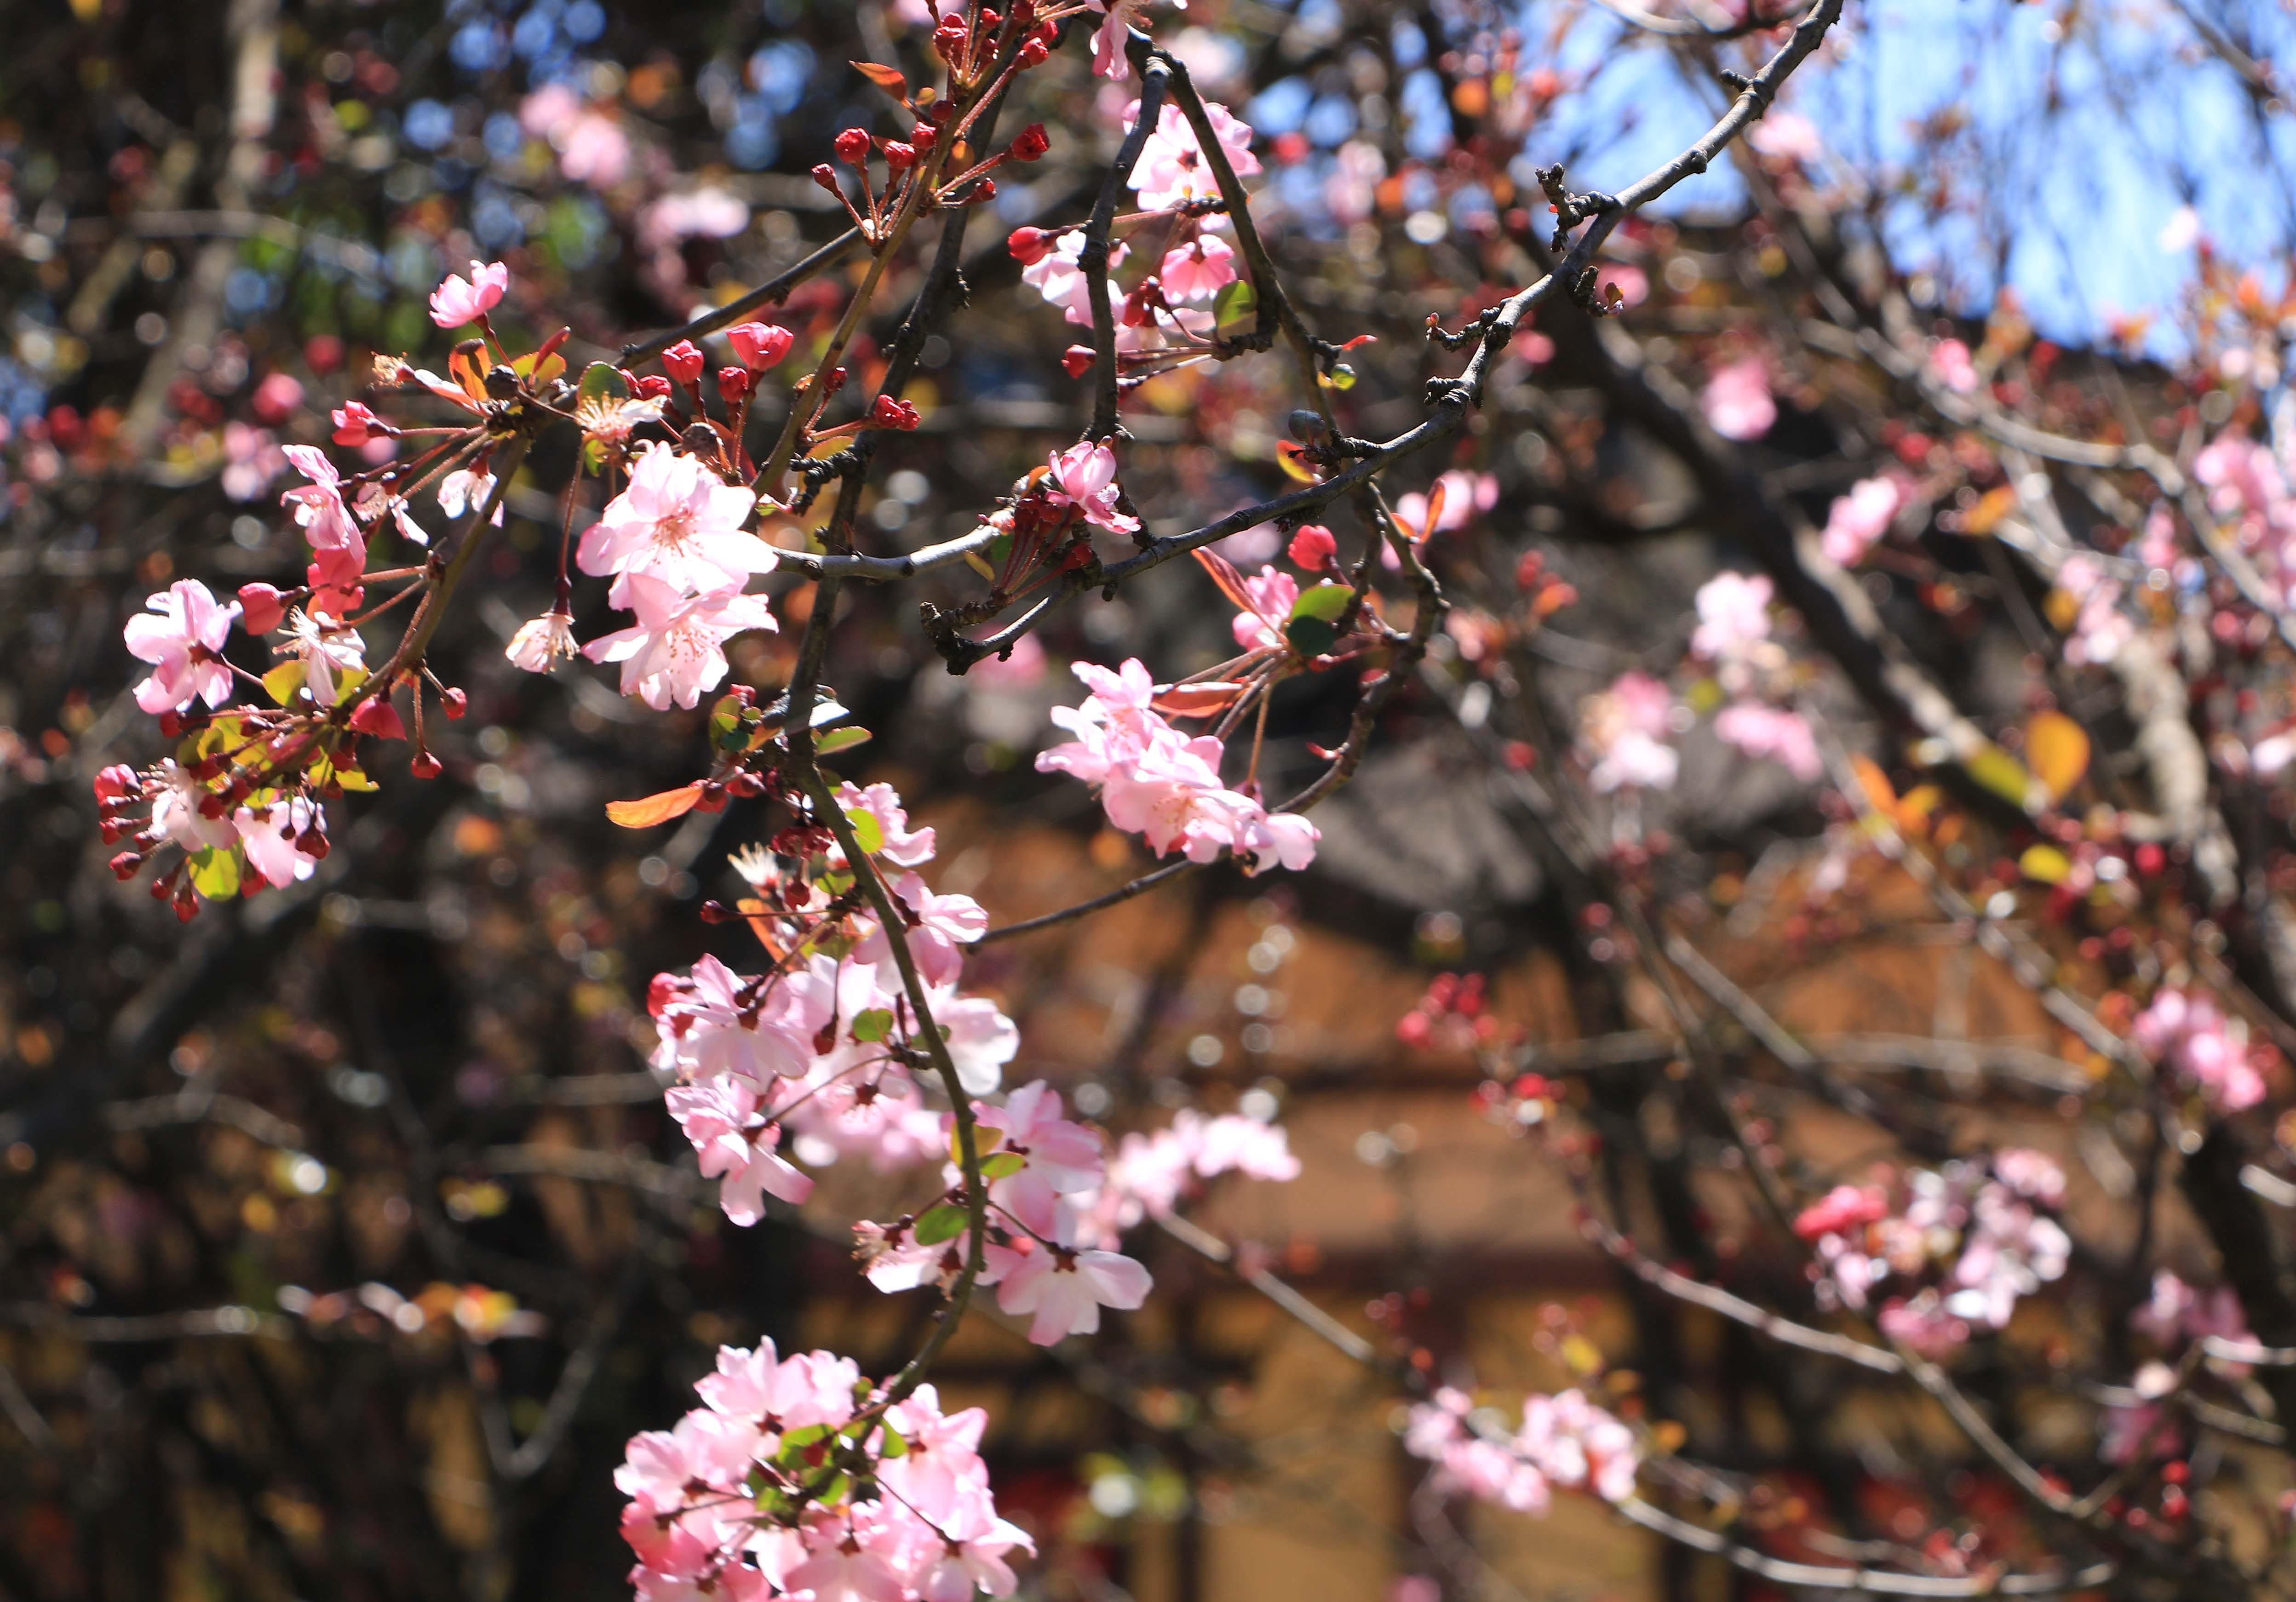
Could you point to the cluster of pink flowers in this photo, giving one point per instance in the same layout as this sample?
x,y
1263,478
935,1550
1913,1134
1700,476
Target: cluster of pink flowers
x,y
797,1477
1734,635
1737,400
2248,487
1857,520
1565,1442
1970,1240
2188,1032
1149,1174
1623,734
1156,782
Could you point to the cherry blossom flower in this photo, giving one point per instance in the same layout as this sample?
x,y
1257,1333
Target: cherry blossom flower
x,y
940,926
844,1564
1199,269
1621,730
251,458
320,509
943,1459
904,847
1085,476
465,489
716,1024
778,1394
1108,57
1058,275
326,648
676,650
1271,594
1786,136
542,641
982,1040
1734,618
1785,737
175,815
1172,170
1576,1443
182,635
269,839
721,1118
2190,1033
1859,518
1064,1289
1950,361
678,522
974,1541
460,300
1463,495
1737,402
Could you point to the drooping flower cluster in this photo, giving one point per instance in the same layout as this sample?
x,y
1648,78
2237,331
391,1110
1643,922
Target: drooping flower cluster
x,y
798,1477
1160,784
1964,1243
1565,1442
2188,1032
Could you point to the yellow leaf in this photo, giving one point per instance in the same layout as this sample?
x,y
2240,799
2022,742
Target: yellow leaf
x,y
284,681
2057,749
2002,774
1879,793
1913,812
1983,518
2045,864
650,810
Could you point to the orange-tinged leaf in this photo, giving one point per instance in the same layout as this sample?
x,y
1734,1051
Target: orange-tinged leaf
x,y
1879,792
650,810
2045,863
1293,457
1983,518
2057,750
1230,581
888,78
1196,700
1434,510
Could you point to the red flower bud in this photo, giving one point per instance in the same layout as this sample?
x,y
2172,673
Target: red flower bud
x,y
683,361
948,40
377,717
171,723
923,139
124,865
1034,53
826,175
650,385
984,189
260,609
890,413
453,703
760,345
900,156
115,782
735,383
355,425
1313,548
1032,143
853,146
424,766
1029,246
1078,360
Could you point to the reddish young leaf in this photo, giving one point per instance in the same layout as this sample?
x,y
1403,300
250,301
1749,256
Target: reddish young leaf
x,y
1196,700
650,810
1230,581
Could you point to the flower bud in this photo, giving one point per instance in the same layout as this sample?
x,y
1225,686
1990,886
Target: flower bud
x,y
759,345
1078,359
900,157
425,766
1313,548
853,147
453,703
377,717
1029,246
171,723
887,413
124,865
948,40
117,780
826,175
683,361
1034,53
260,609
983,189
355,425
650,385
735,383
923,139
1032,143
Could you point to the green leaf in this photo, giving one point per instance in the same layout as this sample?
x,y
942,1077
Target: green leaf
x,y
944,1223
873,1024
1311,637
1003,1165
867,833
1341,377
892,1445
284,681
215,874
840,739
1326,601
602,381
1235,303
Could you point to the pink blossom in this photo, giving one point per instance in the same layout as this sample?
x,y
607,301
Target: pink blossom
x,y
1464,495
980,1039
270,838
844,1565
1272,595
1737,400
253,459
721,1118
904,847
1058,275
1733,616
1114,723
593,150
718,1024
1783,736
1172,170
541,642
1199,269
1108,57
940,927
326,648
1859,518
1786,136
943,1459
320,509
182,635
176,814
1844,1208
1085,476
2192,1034
775,1394
460,300
1949,360
678,522
676,650
1621,732
1064,1289
465,489
973,1543
1576,1443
